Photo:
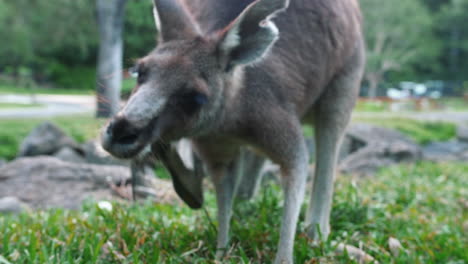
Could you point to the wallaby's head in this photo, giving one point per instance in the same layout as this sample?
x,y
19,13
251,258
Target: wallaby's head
x,y
182,83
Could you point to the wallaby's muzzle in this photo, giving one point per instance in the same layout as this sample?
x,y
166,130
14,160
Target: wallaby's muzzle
x,y
124,140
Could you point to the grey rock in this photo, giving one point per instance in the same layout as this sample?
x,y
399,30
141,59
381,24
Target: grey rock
x,y
2,162
462,133
48,182
70,155
453,150
11,204
367,148
45,139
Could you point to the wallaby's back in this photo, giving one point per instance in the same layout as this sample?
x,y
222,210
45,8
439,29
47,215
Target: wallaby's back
x,y
317,39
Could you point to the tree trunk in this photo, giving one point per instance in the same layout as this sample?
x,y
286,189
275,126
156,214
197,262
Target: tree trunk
x,y
373,80
110,18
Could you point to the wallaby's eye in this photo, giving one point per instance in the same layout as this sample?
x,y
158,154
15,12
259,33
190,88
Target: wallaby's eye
x,y
142,74
191,101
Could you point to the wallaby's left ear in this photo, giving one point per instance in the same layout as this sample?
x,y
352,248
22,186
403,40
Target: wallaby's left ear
x,y
249,37
172,20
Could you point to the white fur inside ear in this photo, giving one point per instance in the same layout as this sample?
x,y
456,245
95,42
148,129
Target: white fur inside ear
x,y
157,21
232,39
270,25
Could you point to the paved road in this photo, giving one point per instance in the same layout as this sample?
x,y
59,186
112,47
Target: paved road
x,y
60,105
52,105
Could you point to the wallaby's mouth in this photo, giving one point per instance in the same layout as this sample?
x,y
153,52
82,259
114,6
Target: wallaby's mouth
x,y
123,140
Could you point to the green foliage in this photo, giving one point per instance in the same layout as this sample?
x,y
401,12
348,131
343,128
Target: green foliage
x,y
398,35
40,30
140,32
57,39
420,205
80,77
81,128
422,132
451,20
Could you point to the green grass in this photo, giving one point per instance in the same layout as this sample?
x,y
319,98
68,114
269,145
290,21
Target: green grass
x,y
371,106
454,103
421,205
12,89
13,131
16,105
442,104
422,132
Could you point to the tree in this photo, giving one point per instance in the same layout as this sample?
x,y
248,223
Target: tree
x,y
110,17
451,26
398,34
140,32
38,34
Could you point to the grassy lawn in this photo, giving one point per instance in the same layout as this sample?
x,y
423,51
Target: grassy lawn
x,y
422,205
454,103
422,132
13,131
17,105
9,89
442,104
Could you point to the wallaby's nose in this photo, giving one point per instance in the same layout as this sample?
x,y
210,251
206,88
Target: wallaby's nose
x,y
120,131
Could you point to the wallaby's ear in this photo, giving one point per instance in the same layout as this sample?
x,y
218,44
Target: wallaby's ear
x,y
187,179
249,37
173,21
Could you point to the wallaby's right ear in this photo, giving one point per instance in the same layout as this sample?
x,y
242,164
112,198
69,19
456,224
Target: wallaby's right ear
x,y
173,21
249,37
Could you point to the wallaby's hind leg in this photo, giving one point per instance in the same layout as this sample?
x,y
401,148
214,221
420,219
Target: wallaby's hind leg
x,y
226,179
331,116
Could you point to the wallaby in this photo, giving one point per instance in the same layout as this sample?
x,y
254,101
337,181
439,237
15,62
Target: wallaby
x,y
227,74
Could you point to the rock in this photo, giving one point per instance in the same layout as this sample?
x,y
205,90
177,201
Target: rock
x,y
70,155
452,150
11,204
395,246
48,182
45,139
2,162
462,133
367,148
359,255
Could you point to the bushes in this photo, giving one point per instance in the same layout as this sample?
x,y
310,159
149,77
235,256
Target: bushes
x,y
79,77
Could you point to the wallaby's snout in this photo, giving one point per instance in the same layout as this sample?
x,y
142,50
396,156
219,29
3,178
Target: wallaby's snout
x,y
123,139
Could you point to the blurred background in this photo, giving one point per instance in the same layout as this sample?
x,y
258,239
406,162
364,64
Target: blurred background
x,y
65,67
418,47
